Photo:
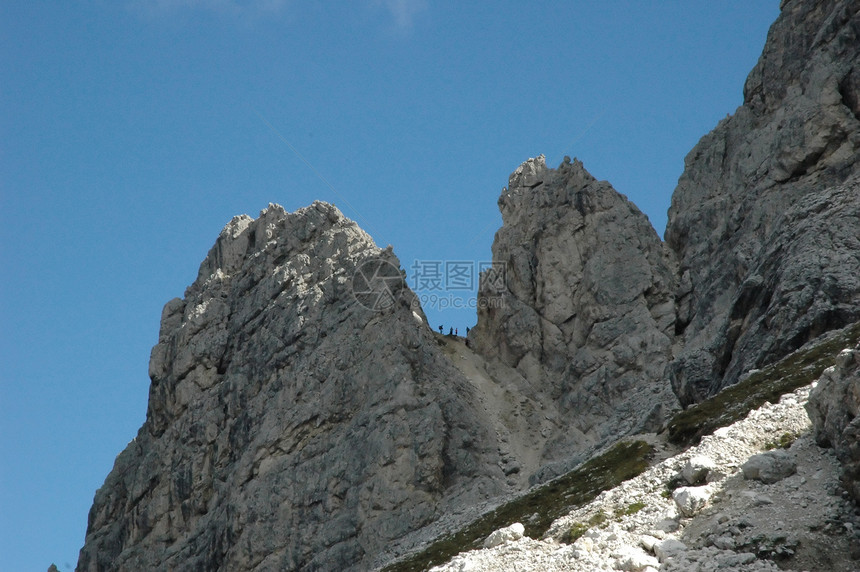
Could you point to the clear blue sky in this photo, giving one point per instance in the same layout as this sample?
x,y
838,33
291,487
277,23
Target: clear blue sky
x,y
133,130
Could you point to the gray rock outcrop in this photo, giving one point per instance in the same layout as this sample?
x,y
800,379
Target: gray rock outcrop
x,y
580,304
290,425
302,416
833,407
769,467
764,220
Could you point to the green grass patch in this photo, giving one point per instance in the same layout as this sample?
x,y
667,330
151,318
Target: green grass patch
x,y
539,508
768,385
633,508
784,442
574,532
598,519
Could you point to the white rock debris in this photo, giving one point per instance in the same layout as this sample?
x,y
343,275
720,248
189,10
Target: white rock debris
x,y
507,534
798,520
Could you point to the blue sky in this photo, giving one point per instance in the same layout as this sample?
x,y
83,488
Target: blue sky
x,y
133,130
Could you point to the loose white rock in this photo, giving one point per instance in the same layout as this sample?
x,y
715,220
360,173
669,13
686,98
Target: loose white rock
x,y
507,534
690,500
696,469
633,559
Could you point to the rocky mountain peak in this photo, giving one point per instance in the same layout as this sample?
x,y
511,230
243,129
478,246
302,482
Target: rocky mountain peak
x,y
529,174
580,303
300,260
244,238
303,416
298,340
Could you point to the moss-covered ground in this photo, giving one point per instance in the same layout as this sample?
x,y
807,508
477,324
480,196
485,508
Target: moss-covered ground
x,y
539,508
767,385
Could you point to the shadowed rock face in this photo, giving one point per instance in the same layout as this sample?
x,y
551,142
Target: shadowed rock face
x,y
764,220
584,310
289,427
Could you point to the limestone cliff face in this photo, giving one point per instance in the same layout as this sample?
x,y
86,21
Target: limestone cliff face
x,y
302,416
292,425
580,304
764,220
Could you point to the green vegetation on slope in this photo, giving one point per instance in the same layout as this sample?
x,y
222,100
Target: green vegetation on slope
x,y
539,508
769,384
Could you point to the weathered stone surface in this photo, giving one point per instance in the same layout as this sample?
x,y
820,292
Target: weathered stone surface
x,y
833,407
668,548
584,310
290,427
691,500
696,470
769,467
764,220
507,534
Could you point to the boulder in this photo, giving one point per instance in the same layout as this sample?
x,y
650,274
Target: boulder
x,y
691,500
503,535
668,548
696,469
769,467
833,407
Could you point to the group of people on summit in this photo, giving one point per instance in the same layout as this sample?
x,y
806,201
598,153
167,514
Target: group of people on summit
x,y
453,332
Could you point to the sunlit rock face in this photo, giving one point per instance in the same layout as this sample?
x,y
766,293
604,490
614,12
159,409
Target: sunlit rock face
x,y
290,424
580,304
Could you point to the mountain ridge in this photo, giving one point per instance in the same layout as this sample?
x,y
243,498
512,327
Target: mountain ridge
x,y
302,414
